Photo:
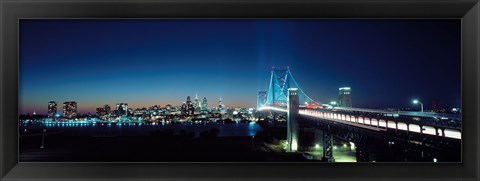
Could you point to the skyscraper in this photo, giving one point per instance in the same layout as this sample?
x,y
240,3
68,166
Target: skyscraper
x,y
70,109
197,103
190,108
184,109
221,107
107,109
345,97
189,101
204,104
52,109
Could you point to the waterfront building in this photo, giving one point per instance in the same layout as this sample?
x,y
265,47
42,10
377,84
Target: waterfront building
x,y
103,111
100,111
70,109
52,109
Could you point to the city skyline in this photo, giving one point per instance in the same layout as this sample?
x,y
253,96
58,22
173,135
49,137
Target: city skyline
x,y
45,111
159,62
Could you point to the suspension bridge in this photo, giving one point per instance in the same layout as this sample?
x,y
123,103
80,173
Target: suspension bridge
x,y
359,125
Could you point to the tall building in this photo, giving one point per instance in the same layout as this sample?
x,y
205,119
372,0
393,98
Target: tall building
x,y
197,103
189,101
221,107
345,97
204,104
184,109
190,107
70,109
122,109
107,109
52,109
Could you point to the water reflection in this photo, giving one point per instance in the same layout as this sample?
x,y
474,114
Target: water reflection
x,y
226,129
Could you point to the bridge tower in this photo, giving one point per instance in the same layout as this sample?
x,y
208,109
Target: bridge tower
x,y
280,81
292,119
261,99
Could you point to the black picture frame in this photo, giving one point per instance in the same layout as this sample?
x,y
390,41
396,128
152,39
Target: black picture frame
x,y
11,11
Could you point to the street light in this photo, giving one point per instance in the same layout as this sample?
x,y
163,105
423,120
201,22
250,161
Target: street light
x,y
415,101
253,142
43,138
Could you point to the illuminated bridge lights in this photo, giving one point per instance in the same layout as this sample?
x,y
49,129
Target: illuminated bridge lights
x,y
371,123
272,108
428,123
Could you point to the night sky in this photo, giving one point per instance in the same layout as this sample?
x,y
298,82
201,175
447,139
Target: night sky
x,y
145,62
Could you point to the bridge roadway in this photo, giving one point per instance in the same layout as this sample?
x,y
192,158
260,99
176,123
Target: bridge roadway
x,y
442,125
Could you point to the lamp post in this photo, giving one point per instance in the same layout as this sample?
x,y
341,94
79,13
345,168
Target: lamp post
x,y
43,138
253,143
415,101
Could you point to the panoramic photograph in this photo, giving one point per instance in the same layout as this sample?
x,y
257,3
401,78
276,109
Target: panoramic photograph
x,y
240,90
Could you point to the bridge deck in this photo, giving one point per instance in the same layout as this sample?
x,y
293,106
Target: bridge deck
x,y
381,123
403,113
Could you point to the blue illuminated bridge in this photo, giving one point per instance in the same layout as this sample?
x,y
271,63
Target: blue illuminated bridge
x,y
358,125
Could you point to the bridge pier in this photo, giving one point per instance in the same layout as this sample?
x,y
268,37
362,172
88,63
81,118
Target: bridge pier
x,y
327,146
292,119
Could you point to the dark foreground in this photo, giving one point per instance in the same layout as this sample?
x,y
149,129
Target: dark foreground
x,y
159,146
